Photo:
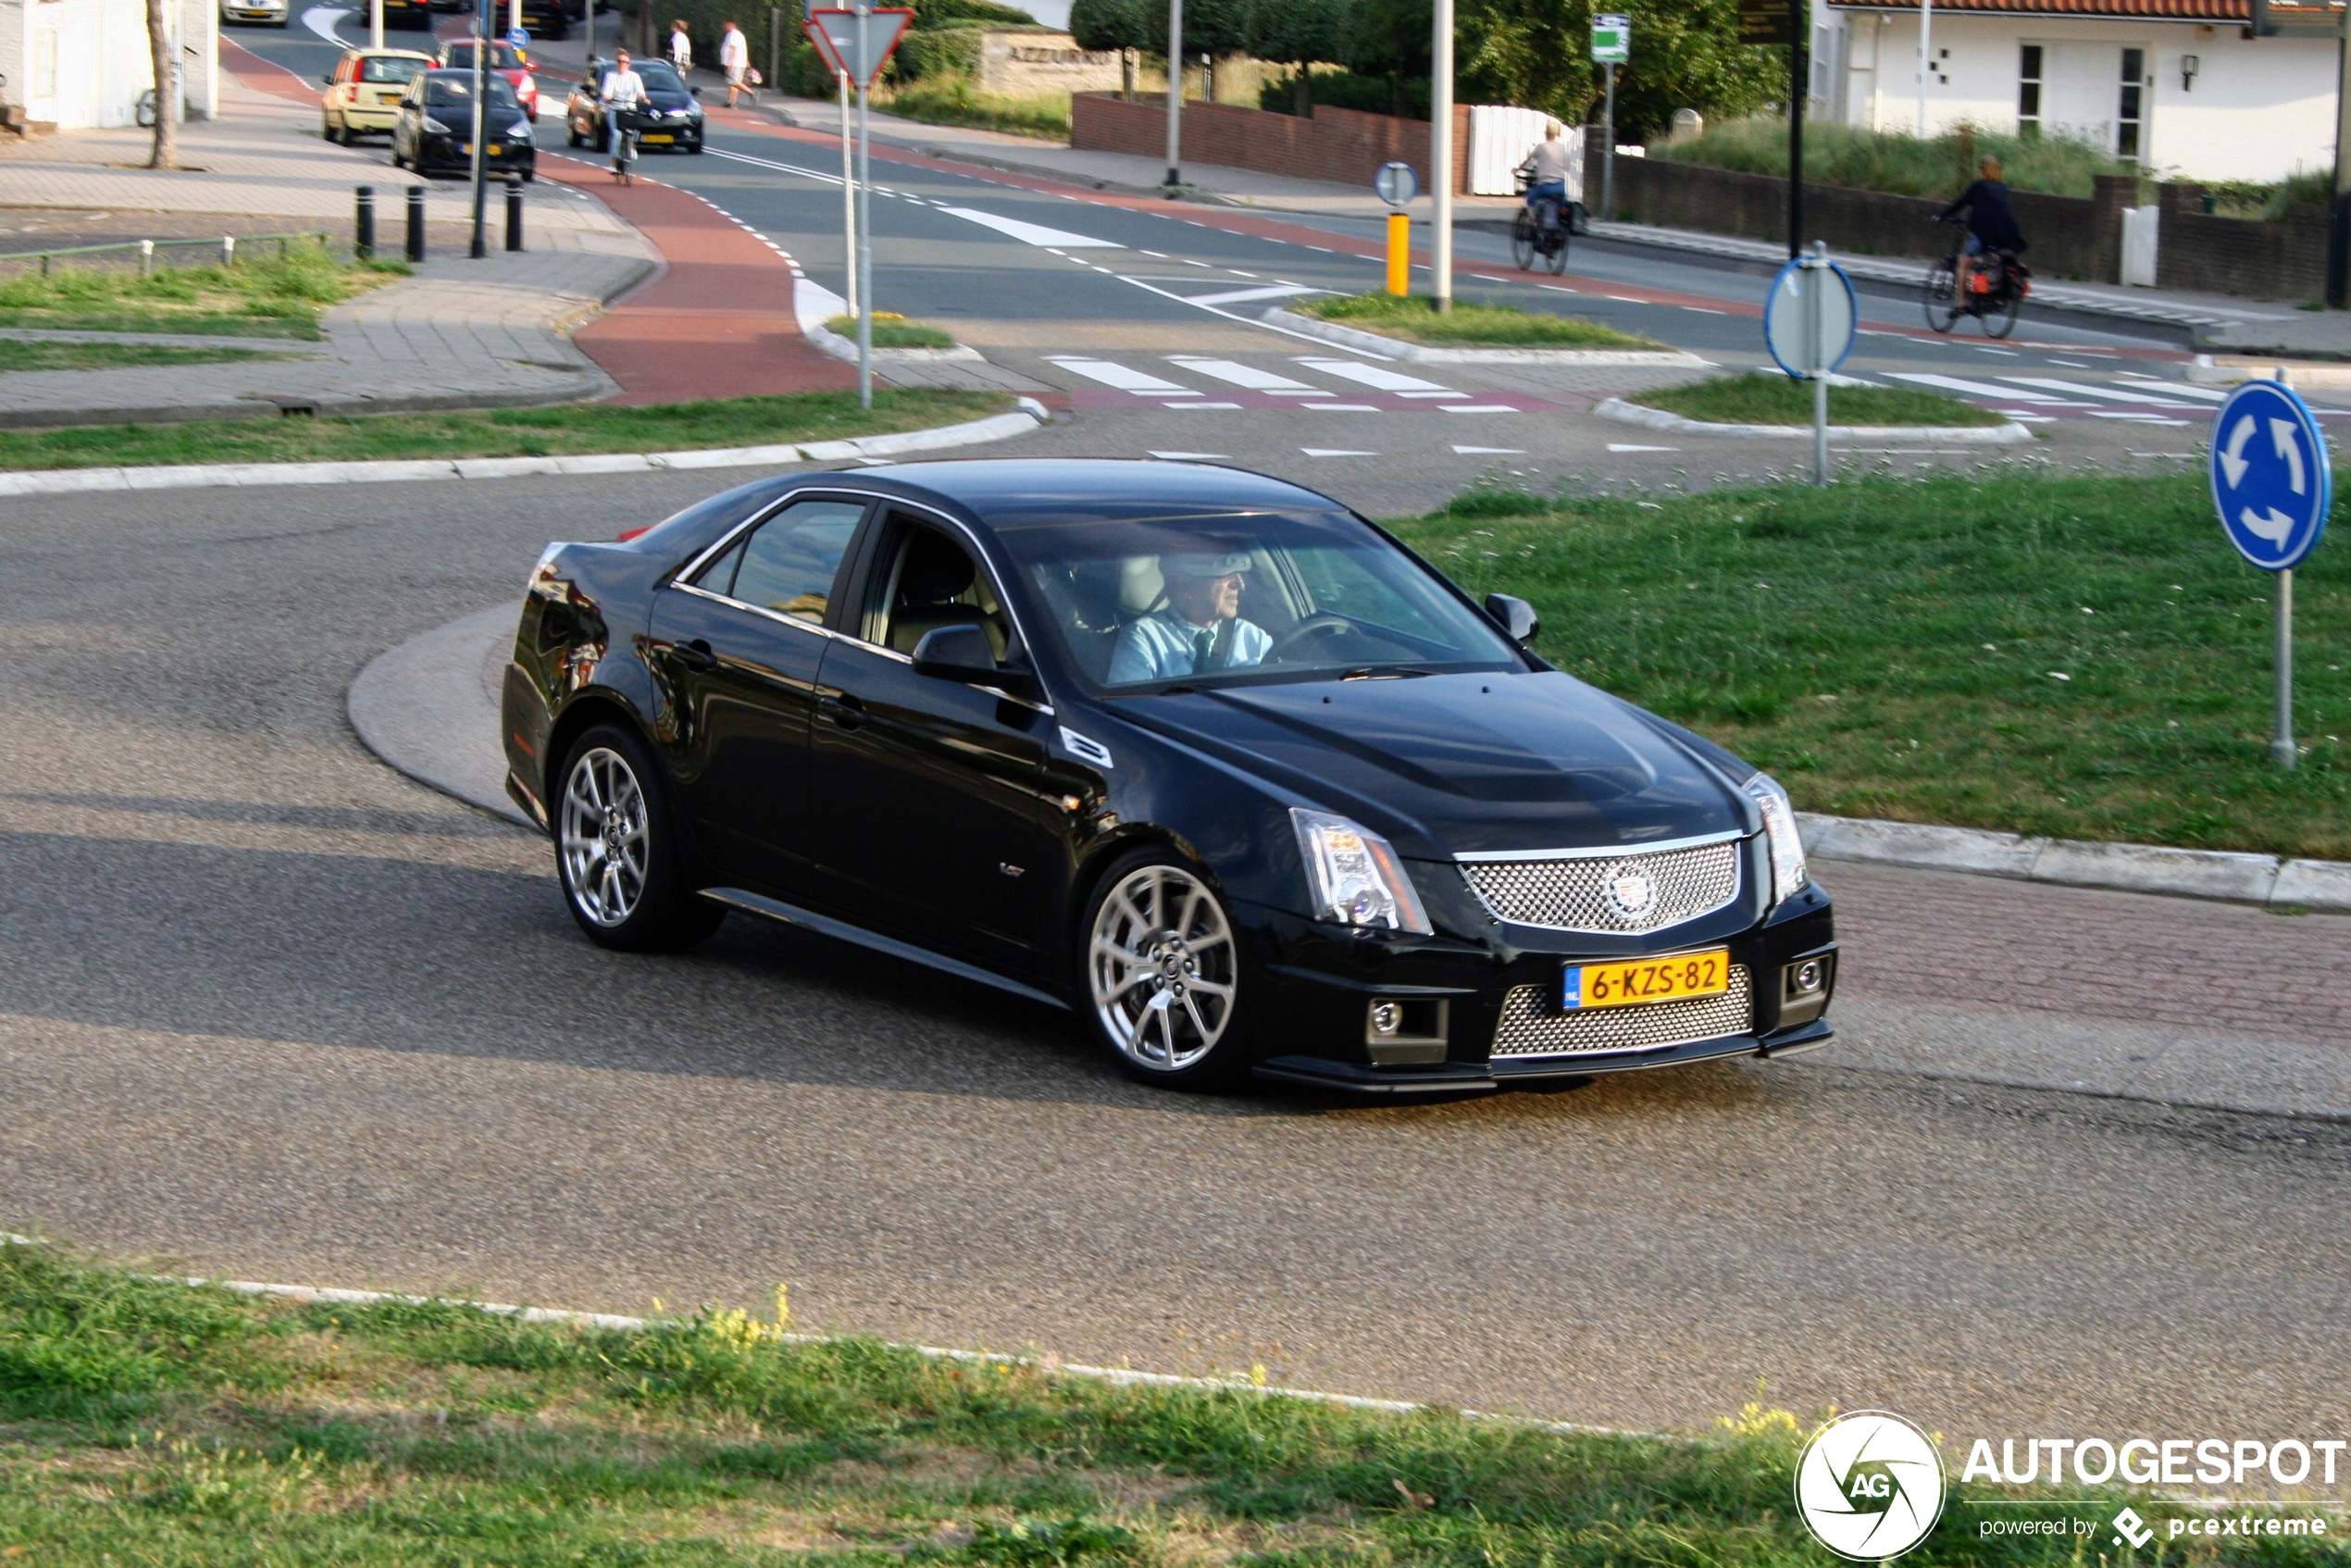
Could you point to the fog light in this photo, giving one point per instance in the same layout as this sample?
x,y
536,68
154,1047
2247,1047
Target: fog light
x,y
1387,1019
1806,978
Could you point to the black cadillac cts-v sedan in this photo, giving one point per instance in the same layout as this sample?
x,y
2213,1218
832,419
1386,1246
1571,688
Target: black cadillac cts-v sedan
x,y
1198,754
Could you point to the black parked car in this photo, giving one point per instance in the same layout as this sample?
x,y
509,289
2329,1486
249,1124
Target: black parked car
x,y
434,131
1200,754
671,118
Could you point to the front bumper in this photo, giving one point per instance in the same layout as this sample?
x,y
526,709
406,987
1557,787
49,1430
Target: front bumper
x,y
448,152
1314,986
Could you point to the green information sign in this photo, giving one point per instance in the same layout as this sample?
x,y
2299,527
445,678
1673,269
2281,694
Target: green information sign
x,y
1611,40
1767,22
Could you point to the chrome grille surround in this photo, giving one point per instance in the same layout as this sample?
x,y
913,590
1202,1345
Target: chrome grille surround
x,y
1529,1027
1578,891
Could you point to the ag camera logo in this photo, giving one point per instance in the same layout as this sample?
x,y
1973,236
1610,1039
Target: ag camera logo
x,y
1869,1485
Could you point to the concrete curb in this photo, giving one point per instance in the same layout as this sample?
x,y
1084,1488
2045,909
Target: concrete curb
x,y
815,305
1397,348
75,481
1616,408
429,709
2228,875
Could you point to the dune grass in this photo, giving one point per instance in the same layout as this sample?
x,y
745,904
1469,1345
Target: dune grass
x,y
157,1423
502,433
1895,161
953,100
1470,324
1779,400
2081,656
263,294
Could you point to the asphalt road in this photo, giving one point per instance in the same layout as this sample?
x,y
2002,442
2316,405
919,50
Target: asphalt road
x,y
274,1011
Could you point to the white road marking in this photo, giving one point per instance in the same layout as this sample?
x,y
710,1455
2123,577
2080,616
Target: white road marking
x,y
1200,405
1032,233
1980,389
2138,418
1248,376
2206,394
1343,407
1378,378
1193,456
1235,296
1110,373
1335,452
2078,388
1479,408
816,174
1491,450
321,19
1623,446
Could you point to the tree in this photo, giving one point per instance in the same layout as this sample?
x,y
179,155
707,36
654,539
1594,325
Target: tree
x,y
1686,55
164,51
1101,26
1388,39
1295,33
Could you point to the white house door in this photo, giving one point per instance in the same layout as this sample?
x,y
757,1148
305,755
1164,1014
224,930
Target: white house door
x,y
40,90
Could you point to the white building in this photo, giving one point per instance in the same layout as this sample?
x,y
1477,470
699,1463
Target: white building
x,y
2177,85
73,64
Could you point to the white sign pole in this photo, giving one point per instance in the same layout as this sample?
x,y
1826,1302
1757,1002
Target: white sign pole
x,y
848,195
1926,58
375,24
2283,751
1817,344
1440,154
1175,93
865,205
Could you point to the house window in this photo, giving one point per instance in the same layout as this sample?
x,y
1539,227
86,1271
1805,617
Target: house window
x,y
2128,119
2028,92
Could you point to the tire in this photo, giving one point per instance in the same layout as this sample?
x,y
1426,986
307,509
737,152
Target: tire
x,y
1579,219
603,137
572,136
1942,310
618,852
1999,321
695,148
1557,260
1523,240
1154,928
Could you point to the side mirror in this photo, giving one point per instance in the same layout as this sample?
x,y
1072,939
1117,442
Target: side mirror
x,y
328,78
1514,615
963,654
695,90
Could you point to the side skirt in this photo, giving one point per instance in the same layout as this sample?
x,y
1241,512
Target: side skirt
x,y
842,931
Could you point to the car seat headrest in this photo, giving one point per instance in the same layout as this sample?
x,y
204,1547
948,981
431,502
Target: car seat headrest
x,y
936,569
1140,586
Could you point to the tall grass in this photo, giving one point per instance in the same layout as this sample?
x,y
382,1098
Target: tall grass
x,y
1896,162
953,100
264,293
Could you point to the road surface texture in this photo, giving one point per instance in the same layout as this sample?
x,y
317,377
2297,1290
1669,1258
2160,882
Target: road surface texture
x,y
274,1011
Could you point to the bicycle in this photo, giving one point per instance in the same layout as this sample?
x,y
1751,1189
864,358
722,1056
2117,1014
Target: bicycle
x,y
624,148
1539,231
1997,284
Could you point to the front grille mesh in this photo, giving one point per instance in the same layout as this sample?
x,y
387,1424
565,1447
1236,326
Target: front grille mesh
x,y
1529,1027
1575,895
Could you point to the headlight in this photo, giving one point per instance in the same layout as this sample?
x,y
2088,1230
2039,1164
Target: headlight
x,y
519,130
1779,826
435,126
1356,878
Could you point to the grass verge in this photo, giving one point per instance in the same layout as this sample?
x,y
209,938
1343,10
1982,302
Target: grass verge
x,y
158,1423
953,100
34,355
893,330
1468,325
2082,657
1778,400
263,295
500,432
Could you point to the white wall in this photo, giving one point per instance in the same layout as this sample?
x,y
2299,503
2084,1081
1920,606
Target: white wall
x,y
2259,109
84,63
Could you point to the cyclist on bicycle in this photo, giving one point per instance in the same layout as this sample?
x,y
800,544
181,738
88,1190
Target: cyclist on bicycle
x,y
1991,223
1545,168
622,90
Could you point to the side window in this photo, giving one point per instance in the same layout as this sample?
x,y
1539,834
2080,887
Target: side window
x,y
931,581
788,563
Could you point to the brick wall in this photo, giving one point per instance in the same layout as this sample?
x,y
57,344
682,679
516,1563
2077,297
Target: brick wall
x,y
1345,145
2239,256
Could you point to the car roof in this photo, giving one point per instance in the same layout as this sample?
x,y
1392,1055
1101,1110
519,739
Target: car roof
x,y
391,54
1004,487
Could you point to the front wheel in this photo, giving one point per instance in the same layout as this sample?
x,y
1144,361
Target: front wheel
x,y
1942,299
1523,240
1162,973
618,850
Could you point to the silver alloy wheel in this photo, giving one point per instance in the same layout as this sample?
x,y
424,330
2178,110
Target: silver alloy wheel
x,y
1161,963
605,841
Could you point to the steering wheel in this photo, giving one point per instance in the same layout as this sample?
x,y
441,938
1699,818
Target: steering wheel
x,y
1322,627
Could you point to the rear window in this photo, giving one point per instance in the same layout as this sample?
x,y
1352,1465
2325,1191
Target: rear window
x,y
449,91
390,70
502,57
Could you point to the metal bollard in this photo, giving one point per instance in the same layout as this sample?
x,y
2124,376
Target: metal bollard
x,y
415,223
146,257
228,250
362,225
514,212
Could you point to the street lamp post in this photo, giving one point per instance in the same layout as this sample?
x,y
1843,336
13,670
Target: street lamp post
x,y
865,205
1440,154
1175,93
483,18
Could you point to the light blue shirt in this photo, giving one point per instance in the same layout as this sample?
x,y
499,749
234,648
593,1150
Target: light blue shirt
x,y
1163,645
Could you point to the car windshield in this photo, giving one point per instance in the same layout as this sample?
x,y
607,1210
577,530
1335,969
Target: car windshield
x,y
1197,601
502,57
659,77
387,69
450,91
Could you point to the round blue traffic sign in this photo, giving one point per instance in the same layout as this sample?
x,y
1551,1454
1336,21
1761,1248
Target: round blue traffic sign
x,y
2271,482
1810,318
519,37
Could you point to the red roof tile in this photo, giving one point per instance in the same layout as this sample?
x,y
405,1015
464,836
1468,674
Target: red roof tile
x,y
2228,11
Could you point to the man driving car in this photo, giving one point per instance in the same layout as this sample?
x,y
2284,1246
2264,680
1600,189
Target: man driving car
x,y
1199,629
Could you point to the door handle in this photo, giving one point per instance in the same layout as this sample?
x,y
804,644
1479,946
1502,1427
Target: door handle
x,y
845,711
696,655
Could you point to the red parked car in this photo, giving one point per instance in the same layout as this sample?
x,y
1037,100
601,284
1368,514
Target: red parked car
x,y
457,53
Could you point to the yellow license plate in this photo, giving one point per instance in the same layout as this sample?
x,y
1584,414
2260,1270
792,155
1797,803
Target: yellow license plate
x,y
495,149
663,137
1645,979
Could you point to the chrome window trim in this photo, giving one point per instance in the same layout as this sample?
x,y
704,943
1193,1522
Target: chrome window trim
x,y
777,616
1619,852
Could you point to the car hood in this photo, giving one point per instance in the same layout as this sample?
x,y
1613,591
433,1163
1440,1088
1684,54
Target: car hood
x,y
1460,763
670,100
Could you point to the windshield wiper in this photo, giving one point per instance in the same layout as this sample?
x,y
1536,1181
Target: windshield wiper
x,y
1383,672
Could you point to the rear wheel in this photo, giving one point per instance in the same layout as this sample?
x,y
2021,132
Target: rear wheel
x,y
1162,973
1523,240
1942,298
618,852
1999,320
1557,260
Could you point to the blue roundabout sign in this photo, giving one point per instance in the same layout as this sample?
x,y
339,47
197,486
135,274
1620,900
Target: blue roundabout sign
x,y
2272,481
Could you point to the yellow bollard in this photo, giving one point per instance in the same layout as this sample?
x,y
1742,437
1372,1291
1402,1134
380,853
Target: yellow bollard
x,y
1400,255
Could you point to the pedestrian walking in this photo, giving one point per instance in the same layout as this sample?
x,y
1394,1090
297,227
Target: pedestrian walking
x,y
681,46
734,58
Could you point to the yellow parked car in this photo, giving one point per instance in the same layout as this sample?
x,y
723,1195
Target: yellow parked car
x,y
363,91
